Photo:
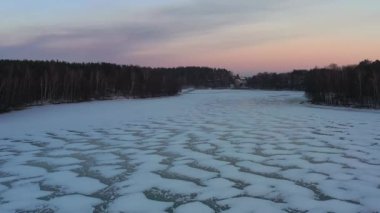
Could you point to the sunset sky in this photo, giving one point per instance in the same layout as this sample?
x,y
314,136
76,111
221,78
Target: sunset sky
x,y
245,36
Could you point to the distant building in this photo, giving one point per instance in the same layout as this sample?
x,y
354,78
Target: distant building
x,y
240,83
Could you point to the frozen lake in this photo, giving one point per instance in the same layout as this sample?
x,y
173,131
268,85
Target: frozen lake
x,y
204,151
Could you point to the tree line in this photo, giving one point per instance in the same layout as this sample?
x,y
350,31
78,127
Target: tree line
x,y
354,85
278,81
24,82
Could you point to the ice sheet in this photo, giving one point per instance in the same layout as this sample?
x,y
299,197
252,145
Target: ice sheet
x,y
203,151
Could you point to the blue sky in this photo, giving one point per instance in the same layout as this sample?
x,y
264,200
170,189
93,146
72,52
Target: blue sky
x,y
241,35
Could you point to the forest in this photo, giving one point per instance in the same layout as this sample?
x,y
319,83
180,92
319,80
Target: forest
x,y
354,85
278,81
24,82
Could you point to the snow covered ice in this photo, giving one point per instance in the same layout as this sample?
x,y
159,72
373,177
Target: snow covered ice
x,y
203,151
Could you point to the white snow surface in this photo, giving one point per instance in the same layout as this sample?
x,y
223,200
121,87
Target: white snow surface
x,y
202,151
